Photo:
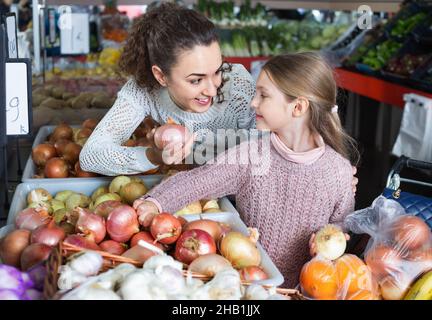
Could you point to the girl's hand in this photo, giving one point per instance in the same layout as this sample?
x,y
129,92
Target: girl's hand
x,y
312,245
354,180
146,211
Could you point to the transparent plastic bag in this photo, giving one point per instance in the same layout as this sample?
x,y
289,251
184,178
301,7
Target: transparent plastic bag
x,y
400,247
346,278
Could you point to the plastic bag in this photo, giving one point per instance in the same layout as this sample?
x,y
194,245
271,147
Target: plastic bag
x,y
415,132
400,247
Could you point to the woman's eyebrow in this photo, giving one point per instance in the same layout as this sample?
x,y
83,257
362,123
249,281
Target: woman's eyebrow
x,y
203,74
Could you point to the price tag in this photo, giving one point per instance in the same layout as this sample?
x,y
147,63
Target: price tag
x,y
52,26
11,32
18,97
75,38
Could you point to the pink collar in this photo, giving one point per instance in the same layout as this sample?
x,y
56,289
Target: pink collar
x,y
307,157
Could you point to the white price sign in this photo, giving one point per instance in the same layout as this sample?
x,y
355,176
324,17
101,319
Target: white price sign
x,y
11,31
75,36
17,98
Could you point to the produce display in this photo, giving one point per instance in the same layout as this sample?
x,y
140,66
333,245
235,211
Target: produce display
x,y
160,278
399,251
58,156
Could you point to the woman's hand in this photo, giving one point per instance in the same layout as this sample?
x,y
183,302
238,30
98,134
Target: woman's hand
x,y
146,211
354,180
173,153
312,245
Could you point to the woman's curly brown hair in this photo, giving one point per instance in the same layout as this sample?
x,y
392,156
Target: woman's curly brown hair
x,y
159,36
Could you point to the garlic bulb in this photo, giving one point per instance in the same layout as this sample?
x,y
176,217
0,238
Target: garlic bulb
x,y
135,285
111,278
69,278
87,263
162,260
171,279
94,292
256,292
226,285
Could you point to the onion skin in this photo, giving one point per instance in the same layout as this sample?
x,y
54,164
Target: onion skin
x,y
81,173
89,222
239,250
42,153
89,124
56,168
410,232
170,133
113,247
50,234
122,223
139,254
252,273
82,242
104,209
165,228
31,218
209,264
12,245
192,244
34,254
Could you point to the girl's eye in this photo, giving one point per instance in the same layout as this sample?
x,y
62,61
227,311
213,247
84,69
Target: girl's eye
x,y
219,71
263,96
195,81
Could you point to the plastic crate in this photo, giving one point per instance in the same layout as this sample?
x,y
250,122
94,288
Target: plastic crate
x,y
229,214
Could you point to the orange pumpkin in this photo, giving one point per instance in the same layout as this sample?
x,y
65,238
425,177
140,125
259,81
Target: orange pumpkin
x,y
353,274
318,279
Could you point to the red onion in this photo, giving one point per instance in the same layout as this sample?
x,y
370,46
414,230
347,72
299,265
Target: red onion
x,y
86,242
113,247
122,223
165,228
49,234
146,236
31,218
34,254
89,222
192,244
170,133
252,273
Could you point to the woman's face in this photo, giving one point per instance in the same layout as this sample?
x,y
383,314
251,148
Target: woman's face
x,y
273,110
195,78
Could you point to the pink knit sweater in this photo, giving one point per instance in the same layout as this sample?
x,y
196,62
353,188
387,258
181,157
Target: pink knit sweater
x,y
286,201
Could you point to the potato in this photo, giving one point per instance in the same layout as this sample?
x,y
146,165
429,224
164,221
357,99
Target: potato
x,y
37,99
101,101
42,91
82,101
57,92
67,95
53,103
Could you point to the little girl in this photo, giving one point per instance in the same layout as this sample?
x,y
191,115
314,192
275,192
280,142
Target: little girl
x,y
303,178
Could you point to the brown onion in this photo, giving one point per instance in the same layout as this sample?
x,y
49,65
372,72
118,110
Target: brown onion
x,y
42,153
31,218
83,174
34,254
210,226
122,223
89,124
56,168
104,209
12,245
60,145
240,250
113,247
83,133
49,234
209,264
89,222
71,152
170,133
62,131
129,143
86,242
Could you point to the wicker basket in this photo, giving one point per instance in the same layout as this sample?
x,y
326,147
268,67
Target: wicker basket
x,y
60,253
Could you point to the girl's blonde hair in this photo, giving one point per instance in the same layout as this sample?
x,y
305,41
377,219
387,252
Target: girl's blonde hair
x,y
308,75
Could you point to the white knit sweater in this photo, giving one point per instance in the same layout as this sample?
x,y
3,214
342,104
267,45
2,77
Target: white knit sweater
x,y
103,152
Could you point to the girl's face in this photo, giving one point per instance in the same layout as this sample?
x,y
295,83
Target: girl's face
x,y
195,78
272,108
